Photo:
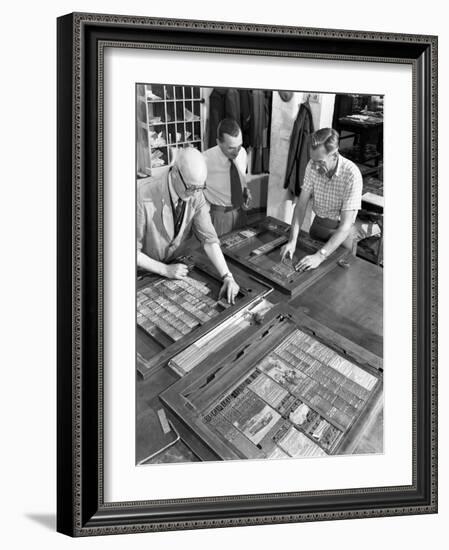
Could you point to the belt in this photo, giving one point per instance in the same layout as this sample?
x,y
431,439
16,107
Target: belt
x,y
220,208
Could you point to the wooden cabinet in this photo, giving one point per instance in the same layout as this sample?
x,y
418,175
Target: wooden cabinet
x,y
168,118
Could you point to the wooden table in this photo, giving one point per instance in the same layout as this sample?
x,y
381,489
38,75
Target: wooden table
x,y
369,132
348,301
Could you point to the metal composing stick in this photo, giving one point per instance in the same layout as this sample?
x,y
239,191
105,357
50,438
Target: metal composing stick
x,y
192,356
268,247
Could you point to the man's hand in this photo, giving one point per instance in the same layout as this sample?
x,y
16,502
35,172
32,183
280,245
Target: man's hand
x,y
287,251
229,289
309,262
247,197
176,271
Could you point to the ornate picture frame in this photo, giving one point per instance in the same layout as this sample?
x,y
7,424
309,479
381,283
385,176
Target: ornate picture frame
x,y
82,39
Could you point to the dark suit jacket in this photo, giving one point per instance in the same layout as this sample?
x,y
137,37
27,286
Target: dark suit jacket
x,y
298,153
260,130
223,103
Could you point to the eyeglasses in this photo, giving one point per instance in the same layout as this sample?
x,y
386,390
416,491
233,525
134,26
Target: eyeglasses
x,y
190,188
317,164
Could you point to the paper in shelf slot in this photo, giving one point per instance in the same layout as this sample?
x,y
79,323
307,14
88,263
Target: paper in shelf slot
x,y
157,153
157,158
189,116
151,95
157,139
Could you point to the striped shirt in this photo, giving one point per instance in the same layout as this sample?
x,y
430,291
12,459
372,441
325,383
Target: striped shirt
x,y
330,197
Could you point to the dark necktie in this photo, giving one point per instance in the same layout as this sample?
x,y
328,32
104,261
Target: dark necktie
x,y
236,186
178,215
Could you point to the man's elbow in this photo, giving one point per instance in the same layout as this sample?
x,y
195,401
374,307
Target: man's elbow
x,y
207,247
210,243
139,259
345,228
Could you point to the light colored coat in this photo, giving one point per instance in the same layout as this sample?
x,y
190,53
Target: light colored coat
x,y
155,222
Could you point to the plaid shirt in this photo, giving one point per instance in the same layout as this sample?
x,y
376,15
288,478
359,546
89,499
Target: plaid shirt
x,y
343,191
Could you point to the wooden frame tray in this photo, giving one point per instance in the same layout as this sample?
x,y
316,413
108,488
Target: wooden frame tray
x,y
257,248
148,358
229,395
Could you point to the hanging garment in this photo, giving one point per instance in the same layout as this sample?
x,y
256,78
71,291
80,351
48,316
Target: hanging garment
x,y
245,116
298,153
223,103
232,104
260,130
342,107
267,133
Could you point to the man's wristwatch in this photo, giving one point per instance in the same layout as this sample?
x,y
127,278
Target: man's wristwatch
x,y
227,275
323,253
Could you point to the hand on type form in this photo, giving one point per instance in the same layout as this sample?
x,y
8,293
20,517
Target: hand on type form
x,y
309,262
230,289
176,271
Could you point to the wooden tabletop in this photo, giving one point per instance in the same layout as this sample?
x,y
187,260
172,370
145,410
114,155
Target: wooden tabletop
x,y
349,301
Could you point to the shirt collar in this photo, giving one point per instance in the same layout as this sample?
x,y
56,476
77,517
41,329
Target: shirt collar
x,y
223,157
338,169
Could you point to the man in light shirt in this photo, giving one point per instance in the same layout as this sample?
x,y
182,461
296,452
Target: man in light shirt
x,y
226,189
334,185
170,207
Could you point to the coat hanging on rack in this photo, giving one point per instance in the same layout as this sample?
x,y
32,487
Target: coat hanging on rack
x,y
246,102
223,103
298,153
260,124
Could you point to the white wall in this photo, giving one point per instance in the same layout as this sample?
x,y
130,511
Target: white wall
x,y
283,116
28,100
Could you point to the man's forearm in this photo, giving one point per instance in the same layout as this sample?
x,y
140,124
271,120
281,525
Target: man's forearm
x,y
297,221
215,255
340,235
151,265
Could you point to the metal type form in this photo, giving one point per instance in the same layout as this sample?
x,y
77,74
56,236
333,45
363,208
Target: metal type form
x,y
258,250
282,387
174,314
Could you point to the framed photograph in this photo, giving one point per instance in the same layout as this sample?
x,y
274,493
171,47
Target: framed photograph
x,y
247,278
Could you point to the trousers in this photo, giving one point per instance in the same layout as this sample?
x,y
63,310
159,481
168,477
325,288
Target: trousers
x,y
322,229
226,221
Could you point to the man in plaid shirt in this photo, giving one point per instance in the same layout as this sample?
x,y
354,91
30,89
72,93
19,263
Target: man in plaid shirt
x,y
334,185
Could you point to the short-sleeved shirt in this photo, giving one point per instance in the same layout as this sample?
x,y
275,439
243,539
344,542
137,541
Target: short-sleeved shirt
x,y
330,197
155,222
218,183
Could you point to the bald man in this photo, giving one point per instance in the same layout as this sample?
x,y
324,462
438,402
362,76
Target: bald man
x,y
169,208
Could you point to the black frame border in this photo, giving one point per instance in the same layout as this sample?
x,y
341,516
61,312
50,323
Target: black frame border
x,y
82,38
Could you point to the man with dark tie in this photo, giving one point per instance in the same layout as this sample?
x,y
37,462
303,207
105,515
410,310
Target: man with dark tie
x,y
169,208
226,189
